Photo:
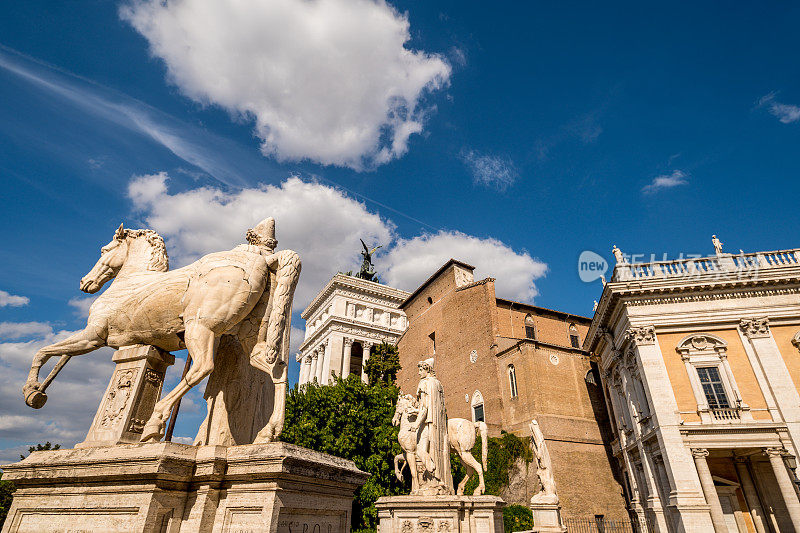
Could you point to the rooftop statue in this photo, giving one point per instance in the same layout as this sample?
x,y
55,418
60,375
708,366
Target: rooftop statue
x,y
246,291
717,244
367,271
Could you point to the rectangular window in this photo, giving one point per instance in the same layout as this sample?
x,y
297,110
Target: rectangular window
x,y
576,342
530,333
711,382
477,411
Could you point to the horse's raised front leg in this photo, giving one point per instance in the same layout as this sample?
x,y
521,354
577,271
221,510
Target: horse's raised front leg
x,y
201,343
274,427
84,341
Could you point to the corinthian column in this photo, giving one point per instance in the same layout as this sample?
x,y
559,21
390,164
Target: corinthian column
x,y
348,352
320,363
787,489
312,374
300,358
364,358
710,492
750,494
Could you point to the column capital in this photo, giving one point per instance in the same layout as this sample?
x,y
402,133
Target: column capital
x,y
315,354
755,328
774,452
697,453
641,335
348,341
298,357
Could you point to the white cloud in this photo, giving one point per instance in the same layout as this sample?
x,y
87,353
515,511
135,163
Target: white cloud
x,y
786,113
81,305
491,171
320,223
330,80
74,394
12,300
666,181
17,330
412,261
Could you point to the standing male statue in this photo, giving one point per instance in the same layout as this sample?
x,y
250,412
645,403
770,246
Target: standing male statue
x,y
544,467
433,447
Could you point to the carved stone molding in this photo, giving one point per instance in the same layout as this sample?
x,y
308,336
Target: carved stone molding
x,y
298,357
774,452
755,328
699,452
641,335
702,343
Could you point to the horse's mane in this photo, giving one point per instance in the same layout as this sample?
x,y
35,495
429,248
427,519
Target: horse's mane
x,y
159,261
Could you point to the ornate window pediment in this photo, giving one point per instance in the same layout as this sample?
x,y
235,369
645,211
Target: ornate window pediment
x,y
701,344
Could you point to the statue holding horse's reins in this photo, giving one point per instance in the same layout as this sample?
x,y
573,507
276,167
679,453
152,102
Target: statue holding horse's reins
x,y
245,291
461,437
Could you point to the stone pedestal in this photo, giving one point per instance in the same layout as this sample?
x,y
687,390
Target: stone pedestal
x,y
440,514
177,488
132,393
547,517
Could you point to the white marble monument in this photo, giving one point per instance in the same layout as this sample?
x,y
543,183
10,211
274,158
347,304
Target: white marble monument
x,y
344,321
426,436
232,311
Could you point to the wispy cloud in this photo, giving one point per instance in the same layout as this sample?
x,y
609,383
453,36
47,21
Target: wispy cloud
x,y
492,171
666,181
12,300
786,113
81,305
219,157
17,330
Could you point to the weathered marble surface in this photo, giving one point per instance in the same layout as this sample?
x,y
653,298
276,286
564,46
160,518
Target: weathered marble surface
x,y
169,487
440,514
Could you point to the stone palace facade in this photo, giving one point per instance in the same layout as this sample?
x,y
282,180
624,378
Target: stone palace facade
x,y
700,365
343,322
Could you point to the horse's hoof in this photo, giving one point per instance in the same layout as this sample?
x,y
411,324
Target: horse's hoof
x,y
479,491
154,430
33,396
265,435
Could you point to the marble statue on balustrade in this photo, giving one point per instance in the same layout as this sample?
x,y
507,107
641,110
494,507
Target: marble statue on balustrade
x,y
237,302
717,244
618,256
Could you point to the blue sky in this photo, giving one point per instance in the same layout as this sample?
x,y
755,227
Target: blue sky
x,y
514,137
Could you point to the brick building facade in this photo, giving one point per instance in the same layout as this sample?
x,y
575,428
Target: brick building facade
x,y
507,363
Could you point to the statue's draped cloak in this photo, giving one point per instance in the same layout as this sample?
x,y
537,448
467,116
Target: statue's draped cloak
x,y
437,430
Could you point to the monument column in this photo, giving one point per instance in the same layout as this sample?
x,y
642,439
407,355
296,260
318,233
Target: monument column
x,y
312,373
320,362
326,362
348,352
750,494
367,346
710,492
785,483
301,378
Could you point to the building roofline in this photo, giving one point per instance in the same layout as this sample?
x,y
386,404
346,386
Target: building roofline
x,y
545,310
434,276
343,280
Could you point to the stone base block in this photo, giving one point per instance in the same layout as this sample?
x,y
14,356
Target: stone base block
x,y
440,514
547,517
176,488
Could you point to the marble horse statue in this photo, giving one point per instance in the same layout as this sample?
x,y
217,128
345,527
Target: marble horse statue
x,y
246,291
461,436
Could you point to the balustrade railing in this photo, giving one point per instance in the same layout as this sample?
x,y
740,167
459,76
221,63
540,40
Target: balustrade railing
x,y
726,414
720,264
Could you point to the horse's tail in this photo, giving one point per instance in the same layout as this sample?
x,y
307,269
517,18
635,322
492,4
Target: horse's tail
x,y
484,431
287,272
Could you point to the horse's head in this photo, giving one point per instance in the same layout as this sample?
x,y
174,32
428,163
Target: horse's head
x,y
405,403
112,257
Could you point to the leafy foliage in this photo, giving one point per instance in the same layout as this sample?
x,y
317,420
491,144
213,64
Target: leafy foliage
x,y
503,453
353,420
6,494
517,518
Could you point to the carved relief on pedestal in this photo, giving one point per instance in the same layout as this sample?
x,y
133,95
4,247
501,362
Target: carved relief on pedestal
x,y
755,328
117,398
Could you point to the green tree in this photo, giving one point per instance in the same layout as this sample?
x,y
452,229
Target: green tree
x,y
353,420
41,447
517,518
